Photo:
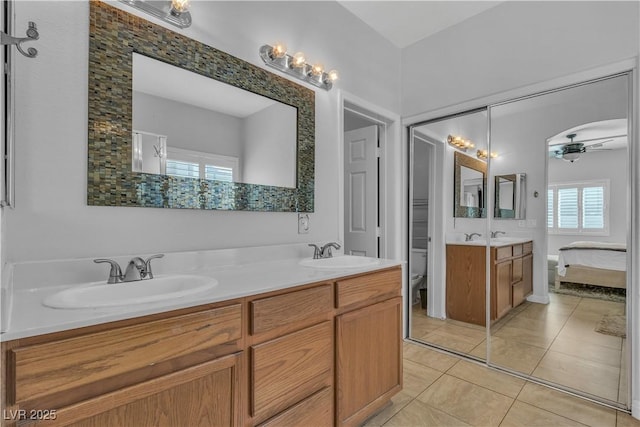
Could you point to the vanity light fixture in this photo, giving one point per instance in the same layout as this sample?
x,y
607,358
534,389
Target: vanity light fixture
x,y
296,65
460,143
483,154
175,12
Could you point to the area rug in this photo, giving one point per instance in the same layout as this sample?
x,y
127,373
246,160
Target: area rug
x,y
613,324
590,291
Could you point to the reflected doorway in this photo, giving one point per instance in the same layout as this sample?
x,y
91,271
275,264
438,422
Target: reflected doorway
x,y
446,208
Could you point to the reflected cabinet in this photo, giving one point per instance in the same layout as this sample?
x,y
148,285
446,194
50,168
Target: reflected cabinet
x,y
511,280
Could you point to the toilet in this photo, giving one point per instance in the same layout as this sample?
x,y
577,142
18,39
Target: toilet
x,y
418,272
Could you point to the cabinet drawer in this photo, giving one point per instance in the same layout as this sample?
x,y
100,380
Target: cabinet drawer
x,y
288,369
367,287
517,250
293,310
44,369
527,248
503,252
316,410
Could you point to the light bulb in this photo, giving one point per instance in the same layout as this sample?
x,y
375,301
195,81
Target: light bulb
x,y
299,60
279,50
179,6
332,75
317,69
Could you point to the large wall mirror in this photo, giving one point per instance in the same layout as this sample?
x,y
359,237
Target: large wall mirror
x,y
176,123
469,187
199,127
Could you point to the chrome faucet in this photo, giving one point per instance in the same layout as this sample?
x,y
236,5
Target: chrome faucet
x,y
138,269
469,236
316,251
325,251
494,234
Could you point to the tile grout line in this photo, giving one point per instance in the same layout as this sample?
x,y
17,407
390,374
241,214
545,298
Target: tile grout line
x,y
556,336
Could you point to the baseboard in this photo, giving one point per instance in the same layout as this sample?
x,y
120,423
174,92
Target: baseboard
x,y
540,299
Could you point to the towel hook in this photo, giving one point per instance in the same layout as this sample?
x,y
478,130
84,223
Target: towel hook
x,y
32,34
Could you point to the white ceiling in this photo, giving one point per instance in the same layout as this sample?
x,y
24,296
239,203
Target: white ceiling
x,y
405,22
194,89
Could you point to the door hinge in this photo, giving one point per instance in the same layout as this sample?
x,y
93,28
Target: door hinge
x,y
378,232
378,152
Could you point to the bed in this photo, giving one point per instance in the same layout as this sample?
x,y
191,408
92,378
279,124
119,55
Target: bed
x,y
593,263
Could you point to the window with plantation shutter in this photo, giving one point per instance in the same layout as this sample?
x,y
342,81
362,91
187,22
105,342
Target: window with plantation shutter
x,y
196,164
578,208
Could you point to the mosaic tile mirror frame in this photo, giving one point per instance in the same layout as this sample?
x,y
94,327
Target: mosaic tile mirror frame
x,y
114,36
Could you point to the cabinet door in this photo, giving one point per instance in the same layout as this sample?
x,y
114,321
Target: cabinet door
x,y
501,298
206,394
527,274
368,360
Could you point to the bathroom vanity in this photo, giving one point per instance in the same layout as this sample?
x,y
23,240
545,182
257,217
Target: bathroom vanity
x,y
320,353
511,279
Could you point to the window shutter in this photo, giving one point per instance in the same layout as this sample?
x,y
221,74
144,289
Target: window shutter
x,y
184,169
568,208
218,173
593,208
550,208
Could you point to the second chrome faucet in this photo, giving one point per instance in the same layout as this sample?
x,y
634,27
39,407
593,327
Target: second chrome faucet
x,y
325,251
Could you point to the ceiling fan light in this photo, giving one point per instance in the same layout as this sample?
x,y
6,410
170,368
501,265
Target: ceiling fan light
x,y
570,157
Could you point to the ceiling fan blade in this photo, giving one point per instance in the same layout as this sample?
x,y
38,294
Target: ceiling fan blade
x,y
607,138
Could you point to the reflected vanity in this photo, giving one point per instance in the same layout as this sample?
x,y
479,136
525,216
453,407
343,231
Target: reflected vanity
x,y
142,156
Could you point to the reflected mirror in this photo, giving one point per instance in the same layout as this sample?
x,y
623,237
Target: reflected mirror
x,y
469,187
510,196
198,127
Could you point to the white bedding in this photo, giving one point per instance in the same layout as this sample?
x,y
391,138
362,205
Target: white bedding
x,y
612,256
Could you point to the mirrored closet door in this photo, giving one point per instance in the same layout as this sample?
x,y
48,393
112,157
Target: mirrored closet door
x,y
526,232
565,268
447,212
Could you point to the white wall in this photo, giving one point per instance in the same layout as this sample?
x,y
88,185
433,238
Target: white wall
x,y
611,165
187,126
269,152
52,219
512,45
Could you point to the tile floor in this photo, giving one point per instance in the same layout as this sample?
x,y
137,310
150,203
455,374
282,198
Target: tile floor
x,y
555,342
443,390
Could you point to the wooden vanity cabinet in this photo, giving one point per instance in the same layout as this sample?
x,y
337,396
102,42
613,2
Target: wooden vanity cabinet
x,y
322,354
511,280
368,345
177,368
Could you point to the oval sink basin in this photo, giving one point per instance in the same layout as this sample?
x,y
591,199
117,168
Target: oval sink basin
x,y
100,294
340,262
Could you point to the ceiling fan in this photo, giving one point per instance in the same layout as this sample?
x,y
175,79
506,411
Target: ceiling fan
x,y
570,151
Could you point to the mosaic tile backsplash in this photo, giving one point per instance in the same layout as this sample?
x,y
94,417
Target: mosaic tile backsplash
x,y
113,37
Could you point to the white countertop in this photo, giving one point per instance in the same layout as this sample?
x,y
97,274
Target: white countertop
x,y
494,242
28,317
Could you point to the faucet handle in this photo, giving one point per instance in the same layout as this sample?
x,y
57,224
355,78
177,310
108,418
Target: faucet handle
x,y
115,274
149,274
316,250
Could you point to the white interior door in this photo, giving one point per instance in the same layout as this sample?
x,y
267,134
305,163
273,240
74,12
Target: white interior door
x,y
361,192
